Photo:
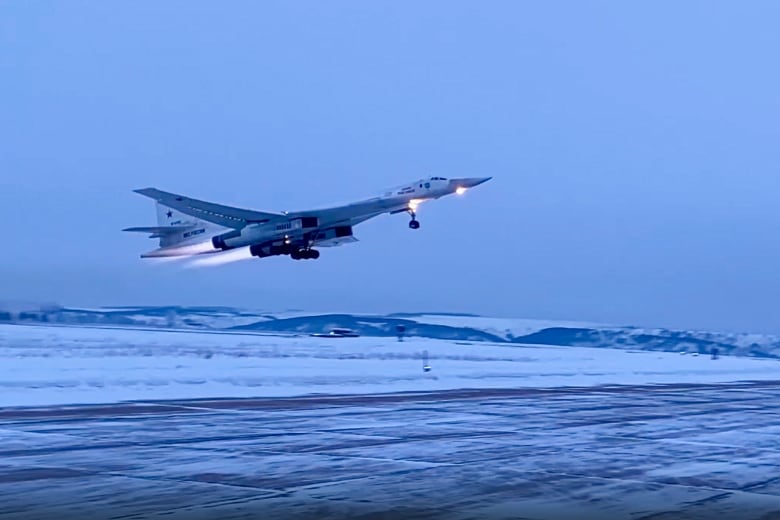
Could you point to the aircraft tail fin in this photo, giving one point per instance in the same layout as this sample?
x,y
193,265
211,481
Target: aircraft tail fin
x,y
175,229
167,217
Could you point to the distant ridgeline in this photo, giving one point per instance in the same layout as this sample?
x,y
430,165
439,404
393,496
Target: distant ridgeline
x,y
454,327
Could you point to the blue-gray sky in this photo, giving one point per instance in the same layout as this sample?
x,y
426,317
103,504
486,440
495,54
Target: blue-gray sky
x,y
634,147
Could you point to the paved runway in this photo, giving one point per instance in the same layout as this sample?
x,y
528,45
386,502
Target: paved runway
x,y
649,452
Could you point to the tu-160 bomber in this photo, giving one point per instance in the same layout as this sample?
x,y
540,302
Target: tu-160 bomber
x,y
187,227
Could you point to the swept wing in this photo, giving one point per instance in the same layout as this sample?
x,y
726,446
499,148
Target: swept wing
x,y
219,214
352,214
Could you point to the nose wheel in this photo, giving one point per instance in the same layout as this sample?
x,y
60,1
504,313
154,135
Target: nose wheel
x,y
414,223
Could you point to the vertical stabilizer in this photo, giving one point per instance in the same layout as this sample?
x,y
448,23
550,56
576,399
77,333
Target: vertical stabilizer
x,y
170,217
185,229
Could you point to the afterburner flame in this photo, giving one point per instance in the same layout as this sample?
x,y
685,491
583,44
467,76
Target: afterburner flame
x,y
234,255
166,259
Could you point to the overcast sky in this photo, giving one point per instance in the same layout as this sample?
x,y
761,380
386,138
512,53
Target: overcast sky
x,y
634,146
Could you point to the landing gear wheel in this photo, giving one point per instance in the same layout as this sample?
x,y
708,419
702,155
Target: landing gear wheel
x,y
414,224
305,254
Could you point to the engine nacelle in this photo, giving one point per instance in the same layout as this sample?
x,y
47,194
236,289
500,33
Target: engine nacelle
x,y
221,241
291,230
258,233
270,249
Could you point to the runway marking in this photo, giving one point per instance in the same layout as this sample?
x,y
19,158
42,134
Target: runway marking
x,y
181,406
691,443
145,408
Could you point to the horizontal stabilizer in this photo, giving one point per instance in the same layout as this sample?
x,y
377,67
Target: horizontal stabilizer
x,y
182,251
159,231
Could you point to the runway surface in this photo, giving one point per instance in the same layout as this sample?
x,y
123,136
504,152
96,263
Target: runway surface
x,y
634,452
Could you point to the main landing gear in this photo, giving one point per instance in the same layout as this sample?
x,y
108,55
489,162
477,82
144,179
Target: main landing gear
x,y
305,254
414,223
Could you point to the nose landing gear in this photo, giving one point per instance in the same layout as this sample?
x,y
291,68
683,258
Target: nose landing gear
x,y
414,223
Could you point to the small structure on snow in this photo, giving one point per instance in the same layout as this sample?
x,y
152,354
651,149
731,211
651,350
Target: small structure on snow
x,y
400,330
337,332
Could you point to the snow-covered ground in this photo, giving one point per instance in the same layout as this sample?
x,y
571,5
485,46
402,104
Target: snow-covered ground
x,y
42,365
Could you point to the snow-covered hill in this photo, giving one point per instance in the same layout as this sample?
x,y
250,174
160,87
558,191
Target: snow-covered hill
x,y
455,327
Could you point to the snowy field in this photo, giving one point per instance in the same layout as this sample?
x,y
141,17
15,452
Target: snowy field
x,y
494,431
41,365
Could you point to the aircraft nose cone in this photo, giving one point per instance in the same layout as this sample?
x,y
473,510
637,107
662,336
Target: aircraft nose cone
x,y
469,182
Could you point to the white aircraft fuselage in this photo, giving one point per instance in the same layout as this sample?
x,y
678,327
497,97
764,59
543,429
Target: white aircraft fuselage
x,y
189,226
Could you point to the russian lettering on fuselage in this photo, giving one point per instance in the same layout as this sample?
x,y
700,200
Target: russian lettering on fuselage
x,y
194,232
